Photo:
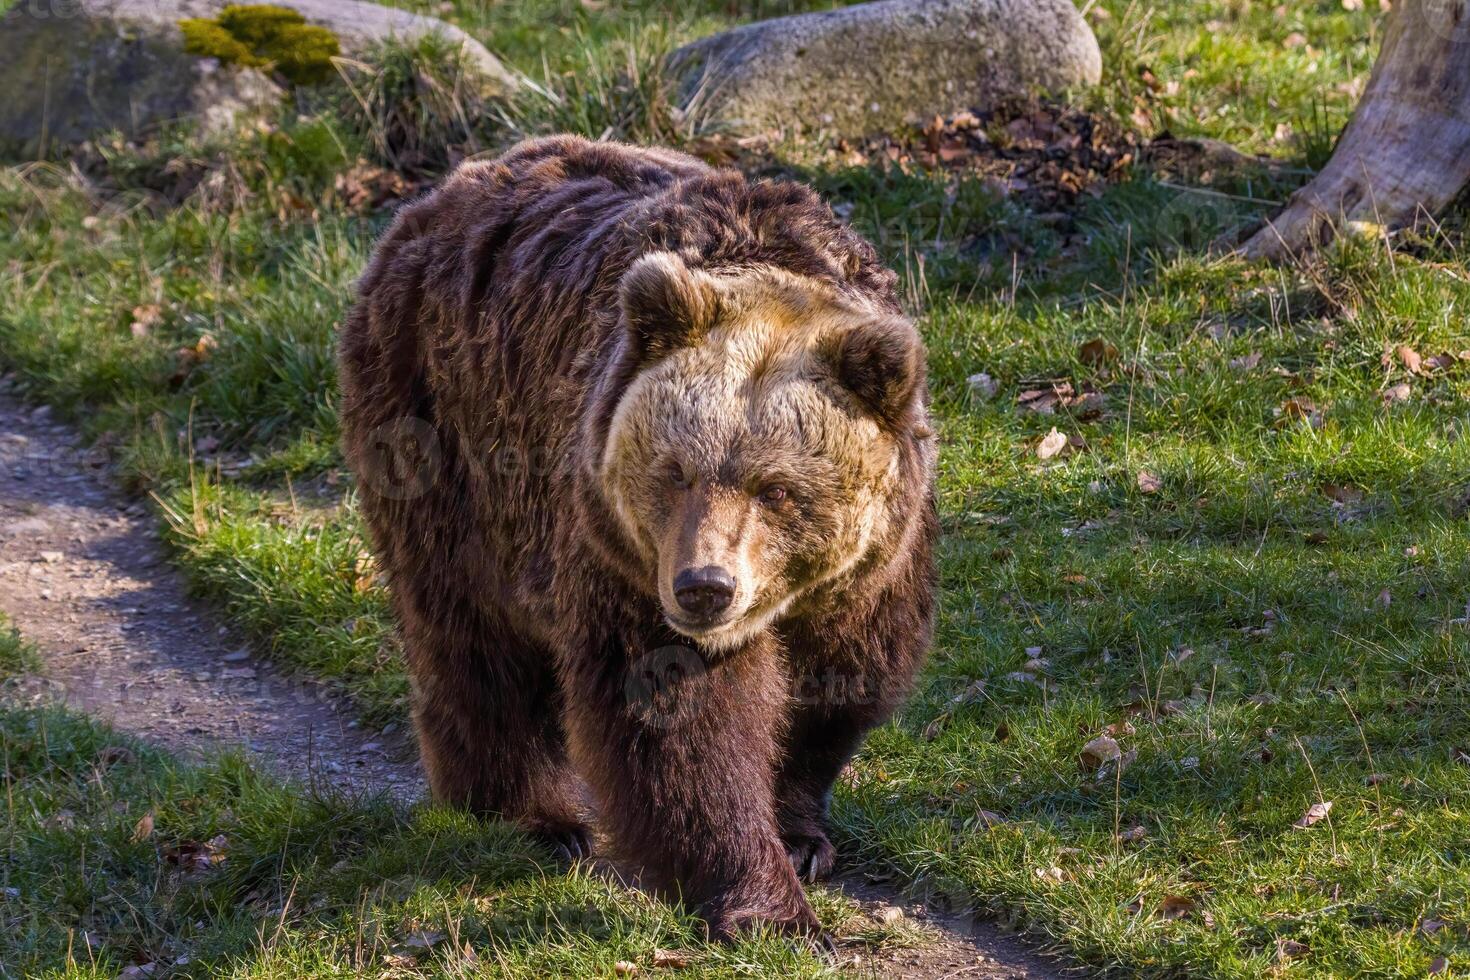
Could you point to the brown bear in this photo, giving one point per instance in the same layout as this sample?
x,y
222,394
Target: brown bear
x,y
645,454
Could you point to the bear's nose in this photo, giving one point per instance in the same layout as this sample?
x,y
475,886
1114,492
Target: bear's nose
x,y
704,592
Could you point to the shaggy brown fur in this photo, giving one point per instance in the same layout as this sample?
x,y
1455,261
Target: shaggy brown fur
x,y
644,451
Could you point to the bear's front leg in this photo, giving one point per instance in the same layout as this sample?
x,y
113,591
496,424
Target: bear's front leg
x,y
680,747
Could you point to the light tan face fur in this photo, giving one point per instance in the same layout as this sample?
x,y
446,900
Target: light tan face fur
x,y
742,452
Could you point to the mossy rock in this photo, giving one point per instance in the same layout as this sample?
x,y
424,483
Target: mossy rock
x,y
209,39
122,65
265,34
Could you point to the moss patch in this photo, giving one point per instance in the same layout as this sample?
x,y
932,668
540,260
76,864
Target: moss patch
x,y
265,34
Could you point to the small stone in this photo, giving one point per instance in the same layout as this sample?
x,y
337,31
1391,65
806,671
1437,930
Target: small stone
x,y
888,914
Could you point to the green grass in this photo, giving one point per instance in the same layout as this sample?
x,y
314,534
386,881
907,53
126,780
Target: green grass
x,y
104,838
1273,618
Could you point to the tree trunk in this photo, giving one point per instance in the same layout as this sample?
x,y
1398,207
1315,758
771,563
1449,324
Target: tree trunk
x,y
1406,152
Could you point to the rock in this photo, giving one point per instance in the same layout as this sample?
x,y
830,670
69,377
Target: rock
x,y
876,66
73,69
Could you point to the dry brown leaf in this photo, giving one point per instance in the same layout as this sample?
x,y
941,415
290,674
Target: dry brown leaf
x,y
145,318
1149,482
973,692
143,829
1409,358
1176,906
1397,393
1096,352
1430,926
625,969
671,959
1316,813
1343,493
423,939
1133,834
1051,444
1100,750
196,856
1289,949
112,755
1439,965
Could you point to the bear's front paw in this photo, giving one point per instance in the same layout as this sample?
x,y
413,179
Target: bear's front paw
x,y
812,855
792,918
569,842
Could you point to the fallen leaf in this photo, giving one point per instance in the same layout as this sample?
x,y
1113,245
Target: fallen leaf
x,y
423,939
1051,444
1385,599
1100,750
1342,493
973,692
196,856
625,969
145,318
1316,813
1398,393
1430,926
143,829
1097,352
1409,358
989,818
1439,965
1176,906
670,959
1299,409
1352,4
1133,834
1246,363
1051,874
1149,482
115,754
1288,949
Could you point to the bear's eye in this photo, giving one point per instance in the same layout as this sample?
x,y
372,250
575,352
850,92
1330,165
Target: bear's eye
x,y
773,496
677,477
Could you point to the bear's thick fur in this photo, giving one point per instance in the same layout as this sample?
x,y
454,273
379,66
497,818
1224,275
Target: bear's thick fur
x,y
644,451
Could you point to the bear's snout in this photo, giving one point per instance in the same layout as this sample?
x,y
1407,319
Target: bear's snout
x,y
704,592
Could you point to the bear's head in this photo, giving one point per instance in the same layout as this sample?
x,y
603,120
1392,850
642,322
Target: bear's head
x,y
756,439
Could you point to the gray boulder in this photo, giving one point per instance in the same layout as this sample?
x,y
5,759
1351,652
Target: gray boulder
x,y
875,66
71,69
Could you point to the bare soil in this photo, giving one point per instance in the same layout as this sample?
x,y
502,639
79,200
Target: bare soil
x,y
84,578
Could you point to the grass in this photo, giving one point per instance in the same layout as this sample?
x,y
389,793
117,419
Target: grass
x,y
122,861
1251,574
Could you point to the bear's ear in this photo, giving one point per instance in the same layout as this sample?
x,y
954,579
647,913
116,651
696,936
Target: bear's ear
x,y
666,304
882,363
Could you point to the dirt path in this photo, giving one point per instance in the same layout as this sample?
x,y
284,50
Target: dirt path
x,y
83,576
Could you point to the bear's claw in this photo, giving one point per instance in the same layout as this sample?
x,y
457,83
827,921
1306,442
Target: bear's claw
x,y
569,844
812,855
